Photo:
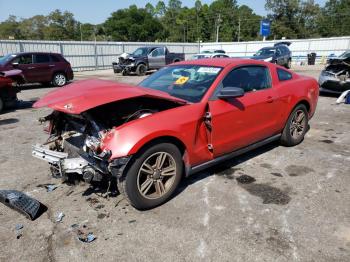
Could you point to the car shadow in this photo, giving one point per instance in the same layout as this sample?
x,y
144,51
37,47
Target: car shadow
x,y
20,105
225,168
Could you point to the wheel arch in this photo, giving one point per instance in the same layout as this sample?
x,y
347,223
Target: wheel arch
x,y
163,139
57,72
303,102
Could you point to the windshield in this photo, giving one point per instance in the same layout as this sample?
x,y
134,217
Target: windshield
x,y
345,55
188,82
6,58
142,51
266,52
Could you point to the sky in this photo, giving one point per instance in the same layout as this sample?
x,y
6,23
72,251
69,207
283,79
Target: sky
x,y
95,12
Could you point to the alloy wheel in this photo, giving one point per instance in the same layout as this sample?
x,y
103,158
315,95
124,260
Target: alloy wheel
x,y
156,175
60,79
298,124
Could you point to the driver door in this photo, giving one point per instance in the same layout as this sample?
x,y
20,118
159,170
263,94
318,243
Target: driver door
x,y
156,59
239,122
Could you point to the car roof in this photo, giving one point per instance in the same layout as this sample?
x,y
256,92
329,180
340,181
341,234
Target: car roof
x,y
221,62
33,53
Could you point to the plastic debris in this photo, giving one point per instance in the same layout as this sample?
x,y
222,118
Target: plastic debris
x,y
59,217
19,228
20,202
86,238
343,96
51,188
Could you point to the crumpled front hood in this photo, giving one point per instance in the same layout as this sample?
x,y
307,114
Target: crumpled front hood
x,y
83,95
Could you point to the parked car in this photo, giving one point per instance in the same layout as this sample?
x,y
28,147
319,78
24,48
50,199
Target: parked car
x,y
209,55
212,51
144,59
8,88
45,68
180,120
335,78
278,54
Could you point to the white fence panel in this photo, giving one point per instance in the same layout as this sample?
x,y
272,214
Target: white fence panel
x,y
323,47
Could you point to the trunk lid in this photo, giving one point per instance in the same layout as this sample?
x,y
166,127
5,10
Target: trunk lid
x,y
83,95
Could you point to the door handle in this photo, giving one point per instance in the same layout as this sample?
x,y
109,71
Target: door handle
x,y
269,99
31,67
52,65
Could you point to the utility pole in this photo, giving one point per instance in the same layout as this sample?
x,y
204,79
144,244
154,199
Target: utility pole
x,y
239,28
81,33
218,27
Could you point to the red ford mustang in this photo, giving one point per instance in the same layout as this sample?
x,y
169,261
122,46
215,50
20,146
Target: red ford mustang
x,y
180,120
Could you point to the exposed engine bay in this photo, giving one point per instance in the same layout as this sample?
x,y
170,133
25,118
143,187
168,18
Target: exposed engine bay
x,y
74,143
336,76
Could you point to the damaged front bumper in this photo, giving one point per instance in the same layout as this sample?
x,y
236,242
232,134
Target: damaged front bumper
x,y
90,168
61,165
331,83
119,68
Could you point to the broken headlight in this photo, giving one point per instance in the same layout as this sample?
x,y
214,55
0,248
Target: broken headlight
x,y
92,143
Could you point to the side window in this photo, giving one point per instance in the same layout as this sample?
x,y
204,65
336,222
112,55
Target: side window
x,y
283,75
23,60
158,52
249,78
41,58
54,58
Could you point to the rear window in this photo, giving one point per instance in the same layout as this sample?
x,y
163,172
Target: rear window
x,y
42,58
54,58
283,75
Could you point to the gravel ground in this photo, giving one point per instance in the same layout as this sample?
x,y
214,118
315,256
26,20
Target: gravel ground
x,y
272,204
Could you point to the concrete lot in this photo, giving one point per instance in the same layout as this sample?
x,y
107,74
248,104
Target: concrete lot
x,y
297,209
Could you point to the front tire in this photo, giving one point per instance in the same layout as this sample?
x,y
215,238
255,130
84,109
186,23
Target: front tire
x,y
296,126
153,176
59,80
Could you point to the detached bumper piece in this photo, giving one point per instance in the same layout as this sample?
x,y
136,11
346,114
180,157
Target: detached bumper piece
x,y
61,165
20,202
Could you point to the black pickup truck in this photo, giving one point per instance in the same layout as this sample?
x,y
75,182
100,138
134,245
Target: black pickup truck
x,y
144,59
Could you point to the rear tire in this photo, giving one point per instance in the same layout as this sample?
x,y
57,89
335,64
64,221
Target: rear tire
x,y
296,126
147,184
141,70
59,79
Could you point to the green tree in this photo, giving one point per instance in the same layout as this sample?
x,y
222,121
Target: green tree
x,y
334,19
133,24
9,28
61,26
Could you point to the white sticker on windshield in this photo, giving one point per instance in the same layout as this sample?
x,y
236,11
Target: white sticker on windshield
x,y
208,70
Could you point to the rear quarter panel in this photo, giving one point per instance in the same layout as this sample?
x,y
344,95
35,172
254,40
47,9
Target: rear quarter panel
x,y
300,89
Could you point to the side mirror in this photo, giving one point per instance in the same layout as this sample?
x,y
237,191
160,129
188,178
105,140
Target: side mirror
x,y
255,55
230,92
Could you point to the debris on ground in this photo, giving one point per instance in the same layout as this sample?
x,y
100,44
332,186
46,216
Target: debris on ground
x,y
22,203
18,228
59,217
49,187
86,238
343,97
